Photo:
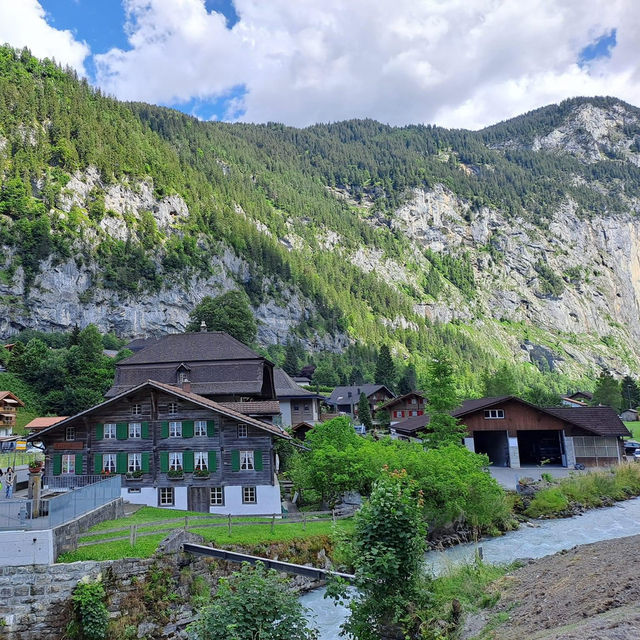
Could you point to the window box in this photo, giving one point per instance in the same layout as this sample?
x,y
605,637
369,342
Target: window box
x,y
134,475
201,474
175,474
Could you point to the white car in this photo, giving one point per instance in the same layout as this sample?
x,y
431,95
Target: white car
x,y
636,455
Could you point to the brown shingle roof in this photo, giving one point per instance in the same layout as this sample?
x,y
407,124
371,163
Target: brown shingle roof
x,y
13,396
394,401
37,424
603,421
340,395
410,426
287,387
255,407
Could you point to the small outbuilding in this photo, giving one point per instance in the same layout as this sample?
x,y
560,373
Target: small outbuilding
x,y
629,415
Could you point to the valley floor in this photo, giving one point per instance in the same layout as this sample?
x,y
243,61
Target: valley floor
x,y
590,591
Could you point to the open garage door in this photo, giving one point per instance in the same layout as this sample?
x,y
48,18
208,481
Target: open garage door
x,y
495,444
540,446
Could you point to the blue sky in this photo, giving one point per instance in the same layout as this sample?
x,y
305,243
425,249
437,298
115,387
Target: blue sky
x,y
457,63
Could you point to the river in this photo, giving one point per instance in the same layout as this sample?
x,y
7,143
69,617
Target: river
x,y
544,538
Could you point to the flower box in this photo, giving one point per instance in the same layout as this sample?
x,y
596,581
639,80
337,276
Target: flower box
x,y
131,478
201,475
175,476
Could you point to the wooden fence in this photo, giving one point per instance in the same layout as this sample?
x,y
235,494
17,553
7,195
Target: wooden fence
x,y
189,523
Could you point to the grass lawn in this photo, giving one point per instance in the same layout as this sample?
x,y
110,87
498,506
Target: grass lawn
x,y
17,459
246,534
634,427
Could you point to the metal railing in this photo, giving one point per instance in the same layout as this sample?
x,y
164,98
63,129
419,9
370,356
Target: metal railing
x,y
18,513
69,481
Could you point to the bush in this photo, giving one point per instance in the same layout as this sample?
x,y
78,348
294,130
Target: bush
x,y
547,502
90,615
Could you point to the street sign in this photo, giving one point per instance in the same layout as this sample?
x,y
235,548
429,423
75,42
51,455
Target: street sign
x,y
21,445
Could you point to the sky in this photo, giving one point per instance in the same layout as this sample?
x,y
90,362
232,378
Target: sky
x,y
455,63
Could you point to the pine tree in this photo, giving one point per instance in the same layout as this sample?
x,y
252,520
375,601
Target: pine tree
x,y
409,380
630,393
385,368
607,392
291,364
73,336
364,413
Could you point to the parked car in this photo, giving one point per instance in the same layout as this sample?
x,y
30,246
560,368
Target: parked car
x,y
636,455
630,447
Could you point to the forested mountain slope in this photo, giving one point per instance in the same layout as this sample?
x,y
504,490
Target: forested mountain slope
x,y
521,239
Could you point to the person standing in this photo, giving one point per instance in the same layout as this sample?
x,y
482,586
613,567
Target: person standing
x,y
9,478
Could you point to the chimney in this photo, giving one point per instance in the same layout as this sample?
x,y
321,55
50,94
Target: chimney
x,y
203,327
186,386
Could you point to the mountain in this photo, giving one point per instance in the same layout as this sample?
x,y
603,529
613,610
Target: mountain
x,y
517,241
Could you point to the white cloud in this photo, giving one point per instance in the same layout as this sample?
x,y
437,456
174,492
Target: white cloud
x,y
454,62
23,24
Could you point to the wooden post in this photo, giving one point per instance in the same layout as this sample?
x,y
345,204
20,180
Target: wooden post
x,y
186,522
333,515
132,534
304,521
229,524
273,522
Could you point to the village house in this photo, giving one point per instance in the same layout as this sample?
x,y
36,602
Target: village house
x,y
512,432
9,404
406,406
173,448
300,408
629,415
346,399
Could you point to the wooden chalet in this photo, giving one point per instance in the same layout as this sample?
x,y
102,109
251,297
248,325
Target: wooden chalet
x,y
9,404
297,405
512,432
406,406
173,448
346,399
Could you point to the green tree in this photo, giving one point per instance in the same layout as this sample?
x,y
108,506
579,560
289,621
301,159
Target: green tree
x,y
364,413
408,381
291,363
74,336
229,312
326,375
385,368
630,393
253,604
501,382
90,344
388,547
607,392
442,399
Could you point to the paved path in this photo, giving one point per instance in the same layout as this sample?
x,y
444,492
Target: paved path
x,y
508,477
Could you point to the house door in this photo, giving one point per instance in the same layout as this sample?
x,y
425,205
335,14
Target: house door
x,y
198,499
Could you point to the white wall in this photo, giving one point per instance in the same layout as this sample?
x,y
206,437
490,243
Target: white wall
x,y
285,410
268,501
18,548
147,496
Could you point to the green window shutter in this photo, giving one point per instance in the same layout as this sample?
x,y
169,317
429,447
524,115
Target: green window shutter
x,y
164,461
97,463
257,459
122,431
78,464
165,430
99,431
211,428
187,429
145,430
121,462
145,462
235,460
57,464
213,461
187,461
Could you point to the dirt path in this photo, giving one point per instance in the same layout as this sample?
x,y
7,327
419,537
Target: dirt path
x,y
591,591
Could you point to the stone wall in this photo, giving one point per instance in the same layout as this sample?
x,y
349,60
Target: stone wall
x,y
150,599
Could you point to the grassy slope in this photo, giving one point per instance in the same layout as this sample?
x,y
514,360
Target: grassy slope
x,y
634,427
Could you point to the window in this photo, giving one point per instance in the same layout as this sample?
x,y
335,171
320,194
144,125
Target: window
x,y
248,495
165,496
135,430
134,462
414,401
173,408
243,431
494,414
70,433
175,429
183,376
137,490
110,431
595,447
109,462
246,461
68,464
201,460
216,497
175,461
307,407
136,410
200,428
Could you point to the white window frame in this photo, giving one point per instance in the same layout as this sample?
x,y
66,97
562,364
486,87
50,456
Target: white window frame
x,y
70,434
249,495
109,462
172,409
243,430
494,414
216,496
175,461
68,464
183,376
135,430
134,462
109,431
414,401
166,497
200,428
201,461
247,463
175,429
136,409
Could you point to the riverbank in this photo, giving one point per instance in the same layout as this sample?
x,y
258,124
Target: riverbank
x,y
590,591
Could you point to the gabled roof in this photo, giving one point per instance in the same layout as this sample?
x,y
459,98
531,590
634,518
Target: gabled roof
x,y
192,347
475,404
340,395
581,394
410,426
286,387
179,393
603,421
394,401
7,395
254,407
38,424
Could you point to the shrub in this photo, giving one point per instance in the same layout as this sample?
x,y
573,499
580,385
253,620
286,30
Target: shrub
x,y
90,615
547,502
